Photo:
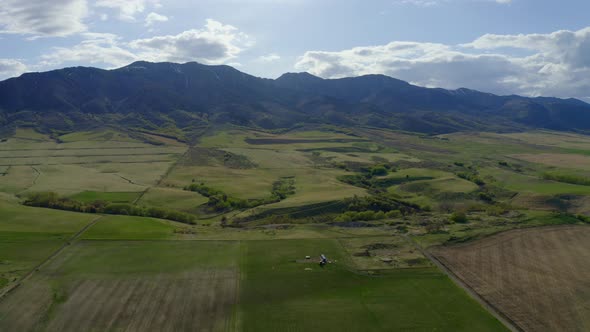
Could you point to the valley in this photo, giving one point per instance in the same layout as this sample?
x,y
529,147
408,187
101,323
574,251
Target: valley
x,y
126,230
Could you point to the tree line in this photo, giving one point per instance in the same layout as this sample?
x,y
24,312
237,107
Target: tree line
x,y
53,200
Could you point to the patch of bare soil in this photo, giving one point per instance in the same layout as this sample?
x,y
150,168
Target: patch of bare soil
x,y
536,277
192,301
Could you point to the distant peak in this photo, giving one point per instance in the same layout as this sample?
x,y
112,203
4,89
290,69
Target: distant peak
x,y
299,76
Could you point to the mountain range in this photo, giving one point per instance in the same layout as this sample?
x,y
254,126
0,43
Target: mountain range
x,y
181,97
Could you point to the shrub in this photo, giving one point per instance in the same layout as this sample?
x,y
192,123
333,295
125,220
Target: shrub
x,y
486,197
393,214
459,217
378,170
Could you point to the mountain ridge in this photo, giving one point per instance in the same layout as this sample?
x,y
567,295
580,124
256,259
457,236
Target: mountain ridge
x,y
156,95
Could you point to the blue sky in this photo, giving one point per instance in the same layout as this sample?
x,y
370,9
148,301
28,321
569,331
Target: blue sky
x,y
529,47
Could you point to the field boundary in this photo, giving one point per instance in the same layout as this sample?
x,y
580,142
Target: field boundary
x,y
29,274
162,177
499,315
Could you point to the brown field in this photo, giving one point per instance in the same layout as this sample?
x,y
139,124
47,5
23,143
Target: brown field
x,y
536,277
159,303
130,294
556,159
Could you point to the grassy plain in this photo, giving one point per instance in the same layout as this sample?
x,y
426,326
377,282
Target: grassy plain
x,y
151,274
236,285
30,235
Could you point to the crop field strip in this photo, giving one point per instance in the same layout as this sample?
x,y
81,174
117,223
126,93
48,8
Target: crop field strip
x,y
534,276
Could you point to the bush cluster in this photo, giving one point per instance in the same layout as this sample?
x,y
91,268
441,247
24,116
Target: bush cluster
x,y
54,201
367,215
459,217
221,202
380,202
567,178
471,177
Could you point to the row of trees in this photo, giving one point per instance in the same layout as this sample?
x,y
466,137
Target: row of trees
x,y
220,201
367,215
54,201
380,202
567,178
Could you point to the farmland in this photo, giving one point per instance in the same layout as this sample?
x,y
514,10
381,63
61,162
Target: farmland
x,y
373,201
533,276
217,285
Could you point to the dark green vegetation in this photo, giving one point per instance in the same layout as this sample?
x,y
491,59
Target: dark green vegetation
x,y
54,201
156,98
221,202
567,178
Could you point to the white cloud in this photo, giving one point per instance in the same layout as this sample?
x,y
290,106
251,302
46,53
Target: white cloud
x,y
11,68
556,64
96,49
152,18
214,44
43,18
269,57
127,9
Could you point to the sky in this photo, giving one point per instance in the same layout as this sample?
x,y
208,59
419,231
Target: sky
x,y
527,47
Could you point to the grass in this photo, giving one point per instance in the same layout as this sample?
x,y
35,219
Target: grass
x,y
335,299
383,253
17,218
127,258
172,198
131,228
70,179
132,284
17,179
89,161
528,183
115,197
29,235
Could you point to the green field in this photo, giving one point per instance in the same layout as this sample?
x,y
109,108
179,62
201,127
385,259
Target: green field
x,y
248,285
278,294
364,197
30,235
117,197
